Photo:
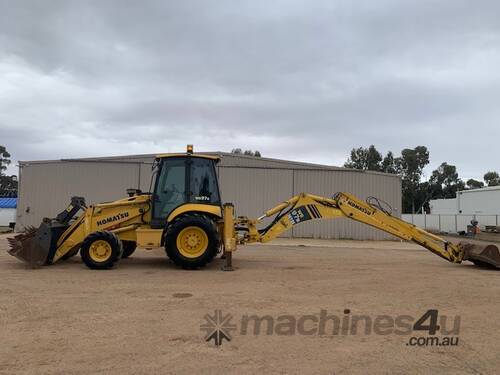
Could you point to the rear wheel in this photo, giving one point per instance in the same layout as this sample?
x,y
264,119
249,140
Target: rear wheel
x,y
100,250
128,248
191,241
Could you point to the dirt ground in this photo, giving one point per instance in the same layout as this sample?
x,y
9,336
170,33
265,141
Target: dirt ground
x,y
144,316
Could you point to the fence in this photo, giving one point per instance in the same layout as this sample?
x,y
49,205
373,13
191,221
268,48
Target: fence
x,y
449,223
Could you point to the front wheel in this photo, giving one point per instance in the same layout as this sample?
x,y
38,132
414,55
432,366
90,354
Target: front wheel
x,y
100,250
192,240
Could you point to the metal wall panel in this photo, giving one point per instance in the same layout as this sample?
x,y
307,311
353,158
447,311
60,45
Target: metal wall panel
x,y
145,176
46,189
255,190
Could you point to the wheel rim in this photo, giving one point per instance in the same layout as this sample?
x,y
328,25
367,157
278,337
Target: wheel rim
x,y
192,242
100,251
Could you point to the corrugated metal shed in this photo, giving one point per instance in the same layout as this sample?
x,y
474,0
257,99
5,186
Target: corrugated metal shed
x,y
252,184
8,202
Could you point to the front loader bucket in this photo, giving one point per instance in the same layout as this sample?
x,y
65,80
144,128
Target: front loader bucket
x,y
482,256
34,246
26,247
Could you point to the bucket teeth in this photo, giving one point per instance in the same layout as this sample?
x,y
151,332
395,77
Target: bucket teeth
x,y
21,246
482,256
18,242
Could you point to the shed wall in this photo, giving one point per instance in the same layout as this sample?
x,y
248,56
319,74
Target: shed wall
x,y
46,189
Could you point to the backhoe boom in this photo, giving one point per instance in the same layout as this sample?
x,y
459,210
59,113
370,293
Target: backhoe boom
x,y
305,207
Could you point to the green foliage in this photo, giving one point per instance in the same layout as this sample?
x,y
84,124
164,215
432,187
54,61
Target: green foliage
x,y
239,151
389,164
410,166
8,184
444,182
474,184
365,158
492,178
4,159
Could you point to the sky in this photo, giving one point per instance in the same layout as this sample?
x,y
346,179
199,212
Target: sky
x,y
300,80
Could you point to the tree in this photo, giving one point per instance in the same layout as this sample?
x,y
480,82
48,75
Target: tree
x,y
365,159
239,151
474,184
410,166
444,182
492,178
8,184
389,163
4,159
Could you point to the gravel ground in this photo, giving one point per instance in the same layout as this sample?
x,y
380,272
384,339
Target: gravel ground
x,y
144,316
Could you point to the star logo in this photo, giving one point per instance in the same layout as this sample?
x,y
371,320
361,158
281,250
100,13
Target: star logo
x,y
218,327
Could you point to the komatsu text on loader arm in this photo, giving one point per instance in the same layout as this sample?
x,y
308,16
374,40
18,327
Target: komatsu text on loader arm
x,y
184,214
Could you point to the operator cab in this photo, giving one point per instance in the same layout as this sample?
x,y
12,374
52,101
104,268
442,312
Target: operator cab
x,y
183,179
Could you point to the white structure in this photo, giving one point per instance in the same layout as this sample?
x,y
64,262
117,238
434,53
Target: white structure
x,y
453,215
7,211
444,206
484,201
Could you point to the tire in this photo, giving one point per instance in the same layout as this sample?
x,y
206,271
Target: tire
x,y
100,250
192,240
128,248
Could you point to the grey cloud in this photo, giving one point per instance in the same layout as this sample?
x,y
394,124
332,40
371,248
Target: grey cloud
x,y
294,79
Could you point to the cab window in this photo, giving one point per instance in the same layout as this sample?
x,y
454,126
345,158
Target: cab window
x,y
203,182
171,188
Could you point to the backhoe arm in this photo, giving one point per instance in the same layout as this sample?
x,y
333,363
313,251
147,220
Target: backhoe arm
x,y
305,207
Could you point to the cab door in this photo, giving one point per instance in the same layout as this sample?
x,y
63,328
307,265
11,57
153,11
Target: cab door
x,y
170,190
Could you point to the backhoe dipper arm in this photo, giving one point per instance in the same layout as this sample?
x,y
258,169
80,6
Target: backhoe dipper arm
x,y
304,207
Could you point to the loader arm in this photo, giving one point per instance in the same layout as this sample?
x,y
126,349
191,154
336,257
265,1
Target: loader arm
x,y
57,237
305,207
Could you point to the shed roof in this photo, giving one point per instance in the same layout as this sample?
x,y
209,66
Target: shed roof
x,y
8,202
228,160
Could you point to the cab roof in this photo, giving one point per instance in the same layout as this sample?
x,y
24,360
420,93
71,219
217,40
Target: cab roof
x,y
180,155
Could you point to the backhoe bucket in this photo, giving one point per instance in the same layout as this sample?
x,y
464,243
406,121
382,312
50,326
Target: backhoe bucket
x,y
36,246
482,256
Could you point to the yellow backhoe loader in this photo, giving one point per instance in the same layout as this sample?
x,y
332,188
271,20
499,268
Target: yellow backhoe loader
x,y
184,214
